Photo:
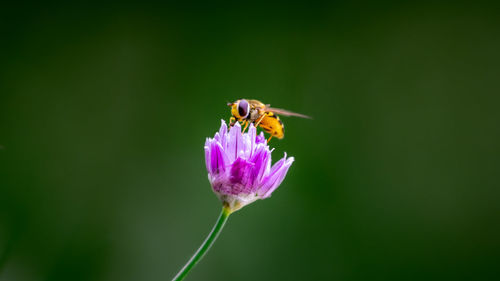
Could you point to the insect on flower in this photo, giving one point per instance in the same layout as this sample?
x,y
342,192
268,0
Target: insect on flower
x,y
261,115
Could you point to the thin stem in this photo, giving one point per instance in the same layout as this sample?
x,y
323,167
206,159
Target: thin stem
x,y
205,246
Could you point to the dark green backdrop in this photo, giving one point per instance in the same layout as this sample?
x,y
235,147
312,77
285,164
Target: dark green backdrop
x,y
104,110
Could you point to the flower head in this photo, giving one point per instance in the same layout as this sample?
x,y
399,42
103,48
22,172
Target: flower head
x,y
239,166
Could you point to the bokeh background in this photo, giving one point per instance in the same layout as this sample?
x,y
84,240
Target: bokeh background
x,y
104,110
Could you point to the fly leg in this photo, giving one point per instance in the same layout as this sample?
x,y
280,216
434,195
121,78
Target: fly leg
x,y
232,121
246,125
259,120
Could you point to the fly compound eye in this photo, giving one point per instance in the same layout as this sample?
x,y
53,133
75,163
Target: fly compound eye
x,y
243,108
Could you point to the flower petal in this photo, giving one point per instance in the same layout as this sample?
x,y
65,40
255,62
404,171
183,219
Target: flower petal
x,y
239,176
261,159
217,161
275,177
240,171
235,142
223,133
251,139
260,138
207,157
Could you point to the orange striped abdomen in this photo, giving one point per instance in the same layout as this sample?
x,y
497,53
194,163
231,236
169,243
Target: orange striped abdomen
x,y
272,124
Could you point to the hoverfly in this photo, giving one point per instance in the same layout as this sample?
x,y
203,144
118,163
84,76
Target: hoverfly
x,y
261,115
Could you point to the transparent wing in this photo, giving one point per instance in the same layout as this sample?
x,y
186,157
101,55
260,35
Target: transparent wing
x,y
286,112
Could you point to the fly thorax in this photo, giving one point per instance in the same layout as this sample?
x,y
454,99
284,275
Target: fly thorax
x,y
254,114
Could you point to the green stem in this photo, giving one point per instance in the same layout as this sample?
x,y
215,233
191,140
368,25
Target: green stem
x,y
205,246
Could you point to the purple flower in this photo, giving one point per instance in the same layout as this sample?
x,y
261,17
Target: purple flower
x,y
239,166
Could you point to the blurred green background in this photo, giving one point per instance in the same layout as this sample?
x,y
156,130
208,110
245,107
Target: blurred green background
x,y
104,110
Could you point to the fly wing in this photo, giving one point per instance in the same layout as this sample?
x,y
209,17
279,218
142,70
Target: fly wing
x,y
286,112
